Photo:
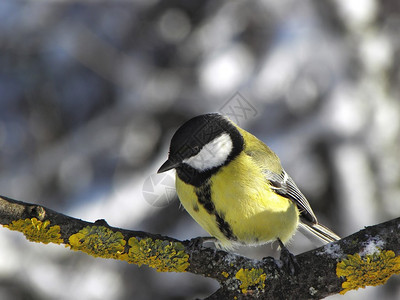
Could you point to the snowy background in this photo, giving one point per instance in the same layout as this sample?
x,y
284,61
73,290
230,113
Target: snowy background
x,y
92,91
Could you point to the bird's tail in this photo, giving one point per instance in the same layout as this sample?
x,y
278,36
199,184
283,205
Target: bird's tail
x,y
320,231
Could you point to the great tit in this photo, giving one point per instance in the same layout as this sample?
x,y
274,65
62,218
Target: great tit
x,y
234,186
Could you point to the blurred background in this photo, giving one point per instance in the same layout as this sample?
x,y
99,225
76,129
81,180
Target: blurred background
x,y
92,91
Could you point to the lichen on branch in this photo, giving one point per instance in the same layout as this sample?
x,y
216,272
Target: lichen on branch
x,y
36,230
368,257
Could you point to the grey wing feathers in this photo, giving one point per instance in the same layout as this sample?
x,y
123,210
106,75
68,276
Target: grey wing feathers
x,y
321,231
284,185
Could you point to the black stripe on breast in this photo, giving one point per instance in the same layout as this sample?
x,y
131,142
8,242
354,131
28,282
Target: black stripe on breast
x,y
203,194
224,227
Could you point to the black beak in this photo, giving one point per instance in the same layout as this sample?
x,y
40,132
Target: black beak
x,y
168,165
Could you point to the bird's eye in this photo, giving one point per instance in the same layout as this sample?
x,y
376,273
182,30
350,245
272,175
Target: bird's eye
x,y
196,148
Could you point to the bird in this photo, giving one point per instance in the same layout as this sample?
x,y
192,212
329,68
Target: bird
x,y
234,186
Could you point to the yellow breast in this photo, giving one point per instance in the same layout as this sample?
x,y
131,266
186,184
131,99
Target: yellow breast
x,y
242,199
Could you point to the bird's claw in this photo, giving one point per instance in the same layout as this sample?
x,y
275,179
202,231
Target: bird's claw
x,y
197,242
288,259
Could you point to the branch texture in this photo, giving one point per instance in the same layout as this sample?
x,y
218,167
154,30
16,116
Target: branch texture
x,y
368,257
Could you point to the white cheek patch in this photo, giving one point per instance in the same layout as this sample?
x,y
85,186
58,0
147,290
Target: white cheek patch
x,y
212,154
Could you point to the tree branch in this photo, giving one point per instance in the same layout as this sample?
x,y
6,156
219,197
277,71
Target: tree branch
x,y
368,257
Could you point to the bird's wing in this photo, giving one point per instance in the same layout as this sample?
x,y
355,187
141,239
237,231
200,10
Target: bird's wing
x,y
284,185
280,182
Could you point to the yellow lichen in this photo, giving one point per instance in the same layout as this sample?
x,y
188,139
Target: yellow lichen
x,y
374,269
98,241
225,274
37,231
164,256
251,278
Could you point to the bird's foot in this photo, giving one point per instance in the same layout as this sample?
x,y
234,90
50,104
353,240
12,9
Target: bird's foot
x,y
288,259
198,242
